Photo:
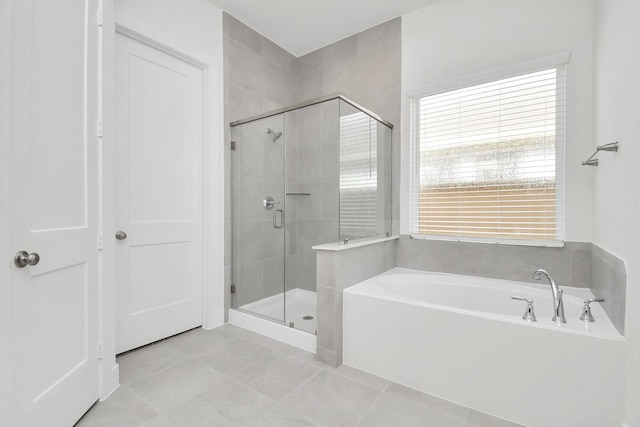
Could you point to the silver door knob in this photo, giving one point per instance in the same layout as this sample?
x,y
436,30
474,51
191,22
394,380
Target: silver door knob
x,y
22,259
121,235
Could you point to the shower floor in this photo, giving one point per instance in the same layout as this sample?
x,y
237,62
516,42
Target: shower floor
x,y
301,303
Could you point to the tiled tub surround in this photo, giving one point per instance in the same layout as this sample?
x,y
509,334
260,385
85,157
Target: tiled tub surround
x,y
445,335
608,281
338,267
577,264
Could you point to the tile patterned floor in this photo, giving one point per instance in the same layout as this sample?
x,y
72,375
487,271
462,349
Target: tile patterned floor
x,y
232,377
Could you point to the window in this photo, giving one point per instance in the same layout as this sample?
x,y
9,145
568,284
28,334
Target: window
x,y
487,161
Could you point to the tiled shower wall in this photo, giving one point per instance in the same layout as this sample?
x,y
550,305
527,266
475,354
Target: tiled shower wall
x,y
313,154
260,76
366,68
257,79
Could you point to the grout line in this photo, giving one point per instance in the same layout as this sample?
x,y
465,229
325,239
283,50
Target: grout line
x,y
156,411
159,371
297,388
371,406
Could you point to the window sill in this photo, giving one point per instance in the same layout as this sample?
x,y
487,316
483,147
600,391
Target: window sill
x,y
511,242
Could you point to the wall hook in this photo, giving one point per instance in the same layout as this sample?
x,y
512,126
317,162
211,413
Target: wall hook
x,y
607,147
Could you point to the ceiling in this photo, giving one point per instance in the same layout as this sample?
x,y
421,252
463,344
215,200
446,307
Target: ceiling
x,y
302,26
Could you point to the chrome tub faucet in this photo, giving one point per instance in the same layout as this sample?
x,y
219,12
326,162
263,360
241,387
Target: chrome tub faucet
x,y
556,292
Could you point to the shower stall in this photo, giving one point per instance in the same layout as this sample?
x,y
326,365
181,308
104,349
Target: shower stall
x,y
314,173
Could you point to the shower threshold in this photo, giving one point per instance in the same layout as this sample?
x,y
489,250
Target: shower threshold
x,y
265,317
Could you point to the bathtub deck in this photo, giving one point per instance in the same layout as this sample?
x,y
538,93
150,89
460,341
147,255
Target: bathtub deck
x,y
494,363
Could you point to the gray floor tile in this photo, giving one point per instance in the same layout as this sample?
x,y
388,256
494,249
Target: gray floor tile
x,y
185,381
148,360
123,409
176,384
480,419
361,377
331,399
303,355
199,341
158,421
276,375
227,404
232,356
432,402
282,417
391,410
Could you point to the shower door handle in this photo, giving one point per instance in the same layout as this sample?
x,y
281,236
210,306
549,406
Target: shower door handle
x,y
276,223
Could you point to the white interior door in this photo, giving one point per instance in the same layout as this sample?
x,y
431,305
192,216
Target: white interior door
x,y
53,211
159,132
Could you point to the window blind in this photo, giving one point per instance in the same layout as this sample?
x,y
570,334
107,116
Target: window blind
x,y
487,160
358,176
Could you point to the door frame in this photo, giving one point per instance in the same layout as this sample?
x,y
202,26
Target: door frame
x,y
6,9
212,187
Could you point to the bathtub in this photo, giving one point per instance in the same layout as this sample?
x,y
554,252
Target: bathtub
x,y
463,339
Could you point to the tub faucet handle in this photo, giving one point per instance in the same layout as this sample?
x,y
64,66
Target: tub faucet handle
x,y
586,315
529,315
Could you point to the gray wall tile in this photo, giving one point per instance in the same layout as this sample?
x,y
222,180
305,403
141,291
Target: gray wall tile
x,y
275,83
336,272
577,264
386,33
345,48
241,62
609,281
236,30
310,62
306,86
276,55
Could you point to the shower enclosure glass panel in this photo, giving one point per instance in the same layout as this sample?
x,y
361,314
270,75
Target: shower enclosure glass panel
x,y
365,175
312,151
258,216
312,174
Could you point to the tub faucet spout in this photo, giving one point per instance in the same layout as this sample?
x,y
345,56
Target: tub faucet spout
x,y
556,292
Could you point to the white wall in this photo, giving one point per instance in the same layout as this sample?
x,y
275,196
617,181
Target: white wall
x,y
617,178
453,39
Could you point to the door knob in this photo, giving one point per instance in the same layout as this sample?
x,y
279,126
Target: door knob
x,y
22,259
121,235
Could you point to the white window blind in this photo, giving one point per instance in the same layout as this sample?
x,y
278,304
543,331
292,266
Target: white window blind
x,y
487,160
358,176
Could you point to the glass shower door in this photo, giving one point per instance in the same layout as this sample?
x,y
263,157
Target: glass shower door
x,y
258,217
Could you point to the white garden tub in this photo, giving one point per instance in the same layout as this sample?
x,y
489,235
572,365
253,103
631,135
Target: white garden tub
x,y
463,339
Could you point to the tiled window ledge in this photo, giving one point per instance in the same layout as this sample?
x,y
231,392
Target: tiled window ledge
x,y
336,247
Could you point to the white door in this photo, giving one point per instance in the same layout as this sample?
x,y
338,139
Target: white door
x,y
159,132
53,211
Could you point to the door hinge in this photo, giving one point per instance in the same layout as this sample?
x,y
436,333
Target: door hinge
x,y
100,242
100,351
99,128
233,145
100,17
233,289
